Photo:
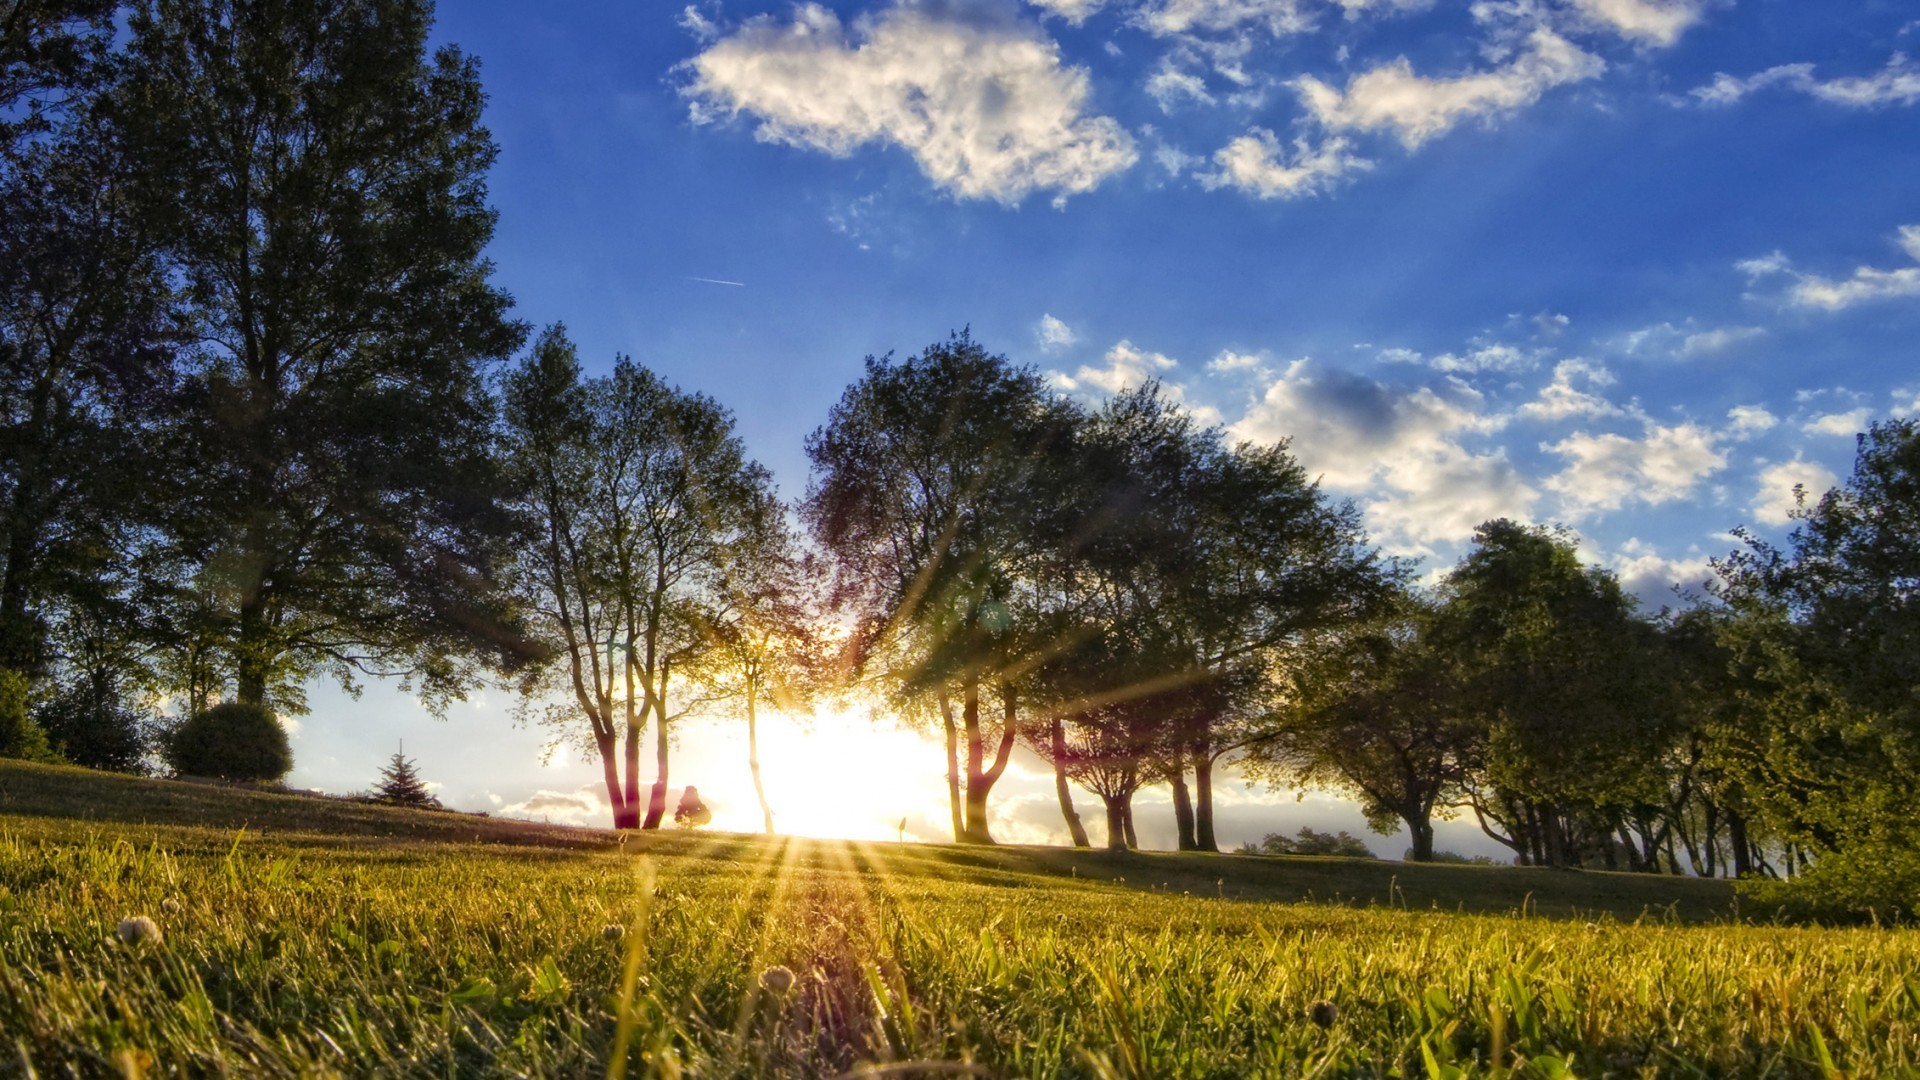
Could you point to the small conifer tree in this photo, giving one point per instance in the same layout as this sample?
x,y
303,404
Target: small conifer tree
x,y
400,783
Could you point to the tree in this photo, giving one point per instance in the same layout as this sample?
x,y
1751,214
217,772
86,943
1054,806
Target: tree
x,y
319,184
1551,663
640,498
237,740
764,637
1370,710
927,477
1225,555
1826,631
400,783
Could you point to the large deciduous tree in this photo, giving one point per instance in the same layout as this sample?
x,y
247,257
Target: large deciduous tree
x,y
319,182
640,501
928,476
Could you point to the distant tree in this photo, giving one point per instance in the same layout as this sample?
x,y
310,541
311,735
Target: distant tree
x,y
401,784
20,736
640,497
237,740
1310,841
92,723
318,183
927,478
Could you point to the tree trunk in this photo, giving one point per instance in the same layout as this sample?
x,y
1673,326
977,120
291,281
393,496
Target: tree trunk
x,y
976,831
1203,837
1057,733
1182,804
657,799
1421,829
1738,846
253,663
953,769
625,814
753,759
1116,823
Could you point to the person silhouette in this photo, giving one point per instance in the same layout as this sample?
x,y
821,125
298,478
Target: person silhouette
x,y
691,813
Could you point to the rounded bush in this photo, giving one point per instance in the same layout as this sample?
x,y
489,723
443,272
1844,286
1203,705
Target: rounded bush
x,y
234,741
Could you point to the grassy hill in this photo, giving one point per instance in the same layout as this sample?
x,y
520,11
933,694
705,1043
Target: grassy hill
x,y
305,936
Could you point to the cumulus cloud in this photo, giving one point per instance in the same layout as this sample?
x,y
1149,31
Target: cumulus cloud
x,y
1746,421
586,805
1230,361
1777,494
1896,84
1653,577
1170,17
1652,22
1849,423
1127,367
1418,108
1443,496
979,97
1607,471
1054,334
1172,87
1561,399
1257,164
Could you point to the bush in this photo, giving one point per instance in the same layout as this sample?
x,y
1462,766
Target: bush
x,y
94,727
234,741
20,736
1456,859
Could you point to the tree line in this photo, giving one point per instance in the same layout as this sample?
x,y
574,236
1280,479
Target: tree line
x,y
265,418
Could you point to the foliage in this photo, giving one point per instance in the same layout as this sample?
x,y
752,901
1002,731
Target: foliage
x,y
20,736
400,784
482,959
317,184
642,502
237,740
93,724
1311,842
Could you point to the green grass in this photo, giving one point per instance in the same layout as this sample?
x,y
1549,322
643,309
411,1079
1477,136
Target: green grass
x,y
335,938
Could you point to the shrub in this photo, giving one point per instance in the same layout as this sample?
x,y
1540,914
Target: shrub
x,y
234,741
96,728
1311,842
1457,859
20,736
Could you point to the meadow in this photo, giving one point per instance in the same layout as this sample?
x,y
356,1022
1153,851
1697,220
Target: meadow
x,y
300,936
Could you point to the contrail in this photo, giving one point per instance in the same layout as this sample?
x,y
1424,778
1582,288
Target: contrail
x,y
716,281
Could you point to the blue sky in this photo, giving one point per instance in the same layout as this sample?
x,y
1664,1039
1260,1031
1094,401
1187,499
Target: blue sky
x,y
1638,266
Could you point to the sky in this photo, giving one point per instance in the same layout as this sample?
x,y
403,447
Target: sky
x,y
1635,266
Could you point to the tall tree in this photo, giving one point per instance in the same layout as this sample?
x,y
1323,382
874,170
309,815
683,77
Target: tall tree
x,y
641,499
927,477
320,181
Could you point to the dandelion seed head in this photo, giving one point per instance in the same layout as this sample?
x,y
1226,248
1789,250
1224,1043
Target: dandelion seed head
x,y
1323,1012
139,930
613,931
777,979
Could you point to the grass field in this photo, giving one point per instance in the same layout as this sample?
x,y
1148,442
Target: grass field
x,y
311,937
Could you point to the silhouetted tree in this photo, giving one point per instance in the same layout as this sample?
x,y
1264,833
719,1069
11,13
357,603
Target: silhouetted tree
x,y
319,184
401,784
640,496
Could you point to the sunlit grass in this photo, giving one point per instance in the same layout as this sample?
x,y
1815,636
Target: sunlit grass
x,y
295,954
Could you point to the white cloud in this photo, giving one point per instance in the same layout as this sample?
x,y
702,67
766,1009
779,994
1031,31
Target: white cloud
x,y
1687,341
1654,22
1867,284
1848,423
1229,361
1169,17
1773,501
1749,420
1652,577
1257,164
1896,84
1607,471
1128,367
1074,11
1494,357
978,97
1442,497
1906,402
1172,87
1562,400
1055,334
698,25
1418,108
586,805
